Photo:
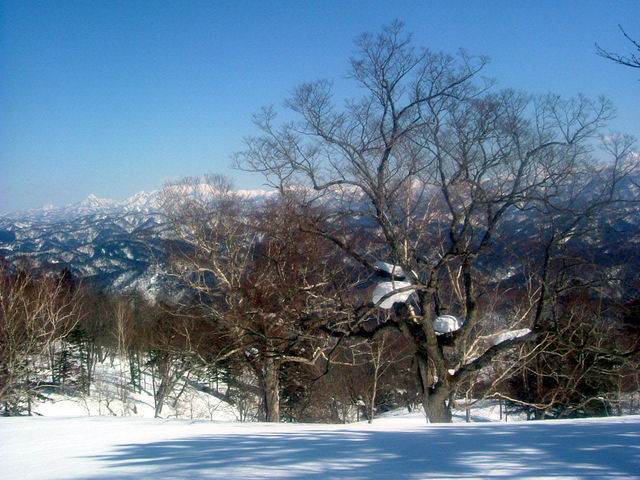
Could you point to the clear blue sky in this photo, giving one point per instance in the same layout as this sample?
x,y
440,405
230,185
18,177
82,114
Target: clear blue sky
x,y
115,97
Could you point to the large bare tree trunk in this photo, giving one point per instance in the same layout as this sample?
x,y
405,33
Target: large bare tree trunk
x,y
434,399
271,391
160,397
436,408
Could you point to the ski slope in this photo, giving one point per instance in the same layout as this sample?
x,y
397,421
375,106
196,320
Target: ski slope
x,y
394,447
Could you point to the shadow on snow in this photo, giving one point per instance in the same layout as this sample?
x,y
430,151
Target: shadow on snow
x,y
584,450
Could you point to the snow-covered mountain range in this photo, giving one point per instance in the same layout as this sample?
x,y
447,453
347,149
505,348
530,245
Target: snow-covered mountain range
x,y
117,244
114,244
140,203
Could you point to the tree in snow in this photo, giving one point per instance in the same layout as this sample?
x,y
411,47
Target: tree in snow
x,y
430,171
379,358
36,313
583,366
263,284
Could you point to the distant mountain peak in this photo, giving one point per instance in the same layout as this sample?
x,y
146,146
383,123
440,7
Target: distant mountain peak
x,y
142,202
94,201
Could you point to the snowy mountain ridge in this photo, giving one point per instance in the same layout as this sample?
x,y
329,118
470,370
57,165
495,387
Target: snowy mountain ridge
x,y
117,244
141,202
114,244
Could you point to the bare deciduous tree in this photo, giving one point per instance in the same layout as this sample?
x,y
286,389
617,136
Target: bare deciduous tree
x,y
262,282
434,164
35,313
631,60
581,367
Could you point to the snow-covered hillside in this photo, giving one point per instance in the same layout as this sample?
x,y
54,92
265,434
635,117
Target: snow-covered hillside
x,y
113,244
112,394
111,434
117,244
400,447
141,202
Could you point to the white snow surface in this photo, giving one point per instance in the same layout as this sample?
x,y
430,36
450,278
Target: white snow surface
x,y
385,288
393,447
504,336
112,394
447,324
391,269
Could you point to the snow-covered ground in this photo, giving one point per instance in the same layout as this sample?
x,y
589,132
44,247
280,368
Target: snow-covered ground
x,y
113,395
398,447
112,435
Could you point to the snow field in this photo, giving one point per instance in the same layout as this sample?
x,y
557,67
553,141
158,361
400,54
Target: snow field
x,y
398,447
112,435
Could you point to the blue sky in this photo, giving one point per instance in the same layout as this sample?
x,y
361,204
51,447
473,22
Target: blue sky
x,y
115,97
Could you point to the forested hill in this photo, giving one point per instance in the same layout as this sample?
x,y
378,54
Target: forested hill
x,y
103,241
112,244
118,245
